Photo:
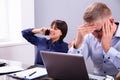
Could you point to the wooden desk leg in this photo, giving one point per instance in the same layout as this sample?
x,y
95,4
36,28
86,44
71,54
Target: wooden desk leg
x,y
118,76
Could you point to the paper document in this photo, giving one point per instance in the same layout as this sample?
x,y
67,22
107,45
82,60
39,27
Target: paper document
x,y
30,73
8,69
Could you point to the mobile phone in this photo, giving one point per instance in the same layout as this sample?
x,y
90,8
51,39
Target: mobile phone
x,y
47,32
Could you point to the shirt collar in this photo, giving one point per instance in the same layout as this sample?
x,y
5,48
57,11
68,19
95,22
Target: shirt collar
x,y
117,34
57,42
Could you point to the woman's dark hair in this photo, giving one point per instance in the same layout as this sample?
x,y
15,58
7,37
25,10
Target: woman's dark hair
x,y
62,25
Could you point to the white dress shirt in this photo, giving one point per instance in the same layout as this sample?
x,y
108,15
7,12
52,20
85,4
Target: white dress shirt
x,y
104,63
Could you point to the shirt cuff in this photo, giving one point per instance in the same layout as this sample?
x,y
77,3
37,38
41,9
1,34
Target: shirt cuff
x,y
111,54
74,50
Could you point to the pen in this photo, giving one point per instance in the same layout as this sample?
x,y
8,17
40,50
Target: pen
x,y
32,73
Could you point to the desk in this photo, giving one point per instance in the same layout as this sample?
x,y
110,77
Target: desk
x,y
25,74
10,66
24,66
33,72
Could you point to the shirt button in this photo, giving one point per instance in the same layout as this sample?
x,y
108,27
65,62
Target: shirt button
x,y
104,72
108,57
103,56
104,61
118,67
78,51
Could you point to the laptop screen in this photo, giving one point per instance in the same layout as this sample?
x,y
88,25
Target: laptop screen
x,y
64,66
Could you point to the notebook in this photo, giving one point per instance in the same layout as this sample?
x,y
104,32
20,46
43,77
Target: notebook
x,y
30,74
64,66
9,69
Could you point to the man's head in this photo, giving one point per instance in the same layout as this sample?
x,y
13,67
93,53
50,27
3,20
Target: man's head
x,y
96,15
96,11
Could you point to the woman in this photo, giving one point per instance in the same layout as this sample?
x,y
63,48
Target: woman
x,y
56,33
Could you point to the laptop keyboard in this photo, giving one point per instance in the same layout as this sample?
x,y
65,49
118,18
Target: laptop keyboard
x,y
95,77
92,79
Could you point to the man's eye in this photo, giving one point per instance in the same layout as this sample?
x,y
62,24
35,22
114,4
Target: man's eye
x,y
98,30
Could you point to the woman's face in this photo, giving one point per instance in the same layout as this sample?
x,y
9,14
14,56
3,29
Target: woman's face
x,y
55,33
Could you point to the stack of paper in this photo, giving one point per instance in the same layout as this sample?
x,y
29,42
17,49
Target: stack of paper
x,y
9,69
30,73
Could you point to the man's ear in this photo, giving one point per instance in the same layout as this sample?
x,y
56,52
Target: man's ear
x,y
111,20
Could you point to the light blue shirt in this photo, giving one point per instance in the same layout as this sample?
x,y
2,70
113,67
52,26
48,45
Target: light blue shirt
x,y
104,63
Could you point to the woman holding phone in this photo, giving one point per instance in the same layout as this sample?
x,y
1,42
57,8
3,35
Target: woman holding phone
x,y
56,34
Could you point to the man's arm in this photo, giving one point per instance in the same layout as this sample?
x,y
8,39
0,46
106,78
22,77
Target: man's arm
x,y
79,45
83,30
108,30
111,53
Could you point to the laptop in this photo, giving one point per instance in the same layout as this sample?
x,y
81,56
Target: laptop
x,y
63,66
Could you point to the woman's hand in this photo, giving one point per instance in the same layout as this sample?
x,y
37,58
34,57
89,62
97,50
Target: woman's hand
x,y
40,30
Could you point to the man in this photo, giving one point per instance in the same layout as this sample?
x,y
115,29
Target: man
x,y
99,39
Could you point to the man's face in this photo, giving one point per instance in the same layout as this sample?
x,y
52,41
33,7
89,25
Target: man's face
x,y
98,31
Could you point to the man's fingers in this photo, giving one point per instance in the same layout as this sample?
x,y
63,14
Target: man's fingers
x,y
106,28
86,29
103,29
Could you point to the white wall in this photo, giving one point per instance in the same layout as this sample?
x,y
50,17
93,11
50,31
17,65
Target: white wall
x,y
71,11
28,13
23,52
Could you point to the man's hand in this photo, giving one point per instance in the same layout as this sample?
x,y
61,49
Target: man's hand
x,y
107,33
82,31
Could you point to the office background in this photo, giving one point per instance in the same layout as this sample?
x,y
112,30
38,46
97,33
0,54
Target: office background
x,y
41,13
